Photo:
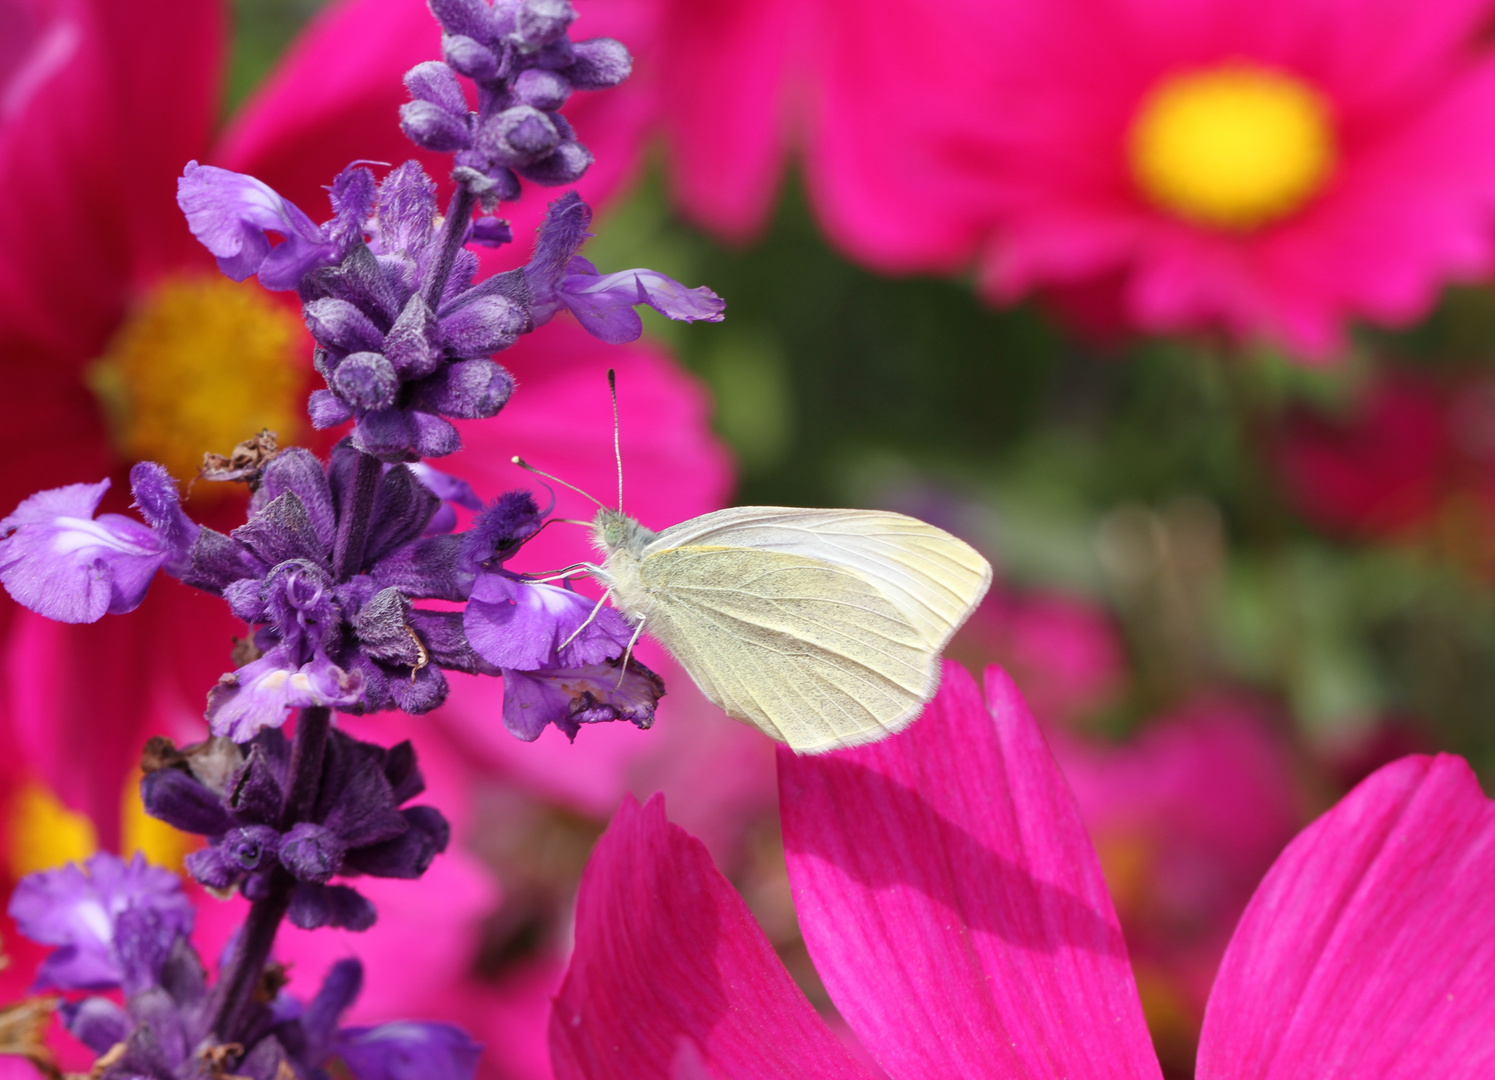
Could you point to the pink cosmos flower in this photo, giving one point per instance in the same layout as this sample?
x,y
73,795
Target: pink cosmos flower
x,y
1411,460
955,910
1267,169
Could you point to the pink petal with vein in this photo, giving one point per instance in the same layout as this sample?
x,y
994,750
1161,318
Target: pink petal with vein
x,y
672,978
1367,951
952,902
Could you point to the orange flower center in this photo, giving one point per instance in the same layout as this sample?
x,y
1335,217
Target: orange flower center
x,y
200,365
1234,147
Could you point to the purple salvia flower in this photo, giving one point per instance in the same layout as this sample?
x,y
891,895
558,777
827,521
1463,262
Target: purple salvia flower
x,y
357,825
233,214
115,922
603,303
60,561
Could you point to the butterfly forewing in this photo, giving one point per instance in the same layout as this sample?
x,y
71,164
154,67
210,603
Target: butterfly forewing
x,y
810,651
933,578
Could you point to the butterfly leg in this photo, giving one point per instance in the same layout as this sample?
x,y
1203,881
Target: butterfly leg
x,y
628,652
595,609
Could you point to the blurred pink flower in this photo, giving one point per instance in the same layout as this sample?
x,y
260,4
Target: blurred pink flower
x,y
955,909
1410,460
1268,169
1186,818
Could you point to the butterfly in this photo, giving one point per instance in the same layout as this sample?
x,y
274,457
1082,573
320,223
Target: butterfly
x,y
822,628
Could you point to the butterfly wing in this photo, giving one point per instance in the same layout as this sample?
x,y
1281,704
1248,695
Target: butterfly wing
x,y
810,652
934,578
821,627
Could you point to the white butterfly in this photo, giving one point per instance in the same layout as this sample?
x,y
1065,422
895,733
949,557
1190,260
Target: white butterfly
x,y
822,628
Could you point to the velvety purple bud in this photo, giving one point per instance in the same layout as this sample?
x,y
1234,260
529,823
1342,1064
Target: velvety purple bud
x,y
409,1050
567,164
469,57
383,629
420,694
429,568
434,437
432,127
177,798
314,906
263,692
433,81
230,213
407,209
470,17
568,698
603,303
327,410
467,390
352,197
360,280
250,847
545,90
213,869
340,325
97,1023
57,560
521,624
598,64
366,380
491,232
311,852
412,346
518,135
539,22
282,530
156,498
499,531
484,326
258,788
557,241
300,471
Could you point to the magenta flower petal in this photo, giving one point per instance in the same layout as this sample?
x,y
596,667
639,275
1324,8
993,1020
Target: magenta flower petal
x,y
1367,950
953,904
672,977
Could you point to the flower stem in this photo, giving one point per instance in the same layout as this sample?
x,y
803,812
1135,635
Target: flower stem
x,y
458,217
308,750
353,522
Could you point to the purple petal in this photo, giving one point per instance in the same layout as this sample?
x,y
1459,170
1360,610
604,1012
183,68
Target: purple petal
x,y
79,908
557,241
262,693
568,698
231,213
519,624
57,560
604,303
409,1050
158,502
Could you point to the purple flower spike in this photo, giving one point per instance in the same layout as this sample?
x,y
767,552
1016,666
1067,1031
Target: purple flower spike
x,y
603,303
61,562
409,1050
232,215
264,691
114,922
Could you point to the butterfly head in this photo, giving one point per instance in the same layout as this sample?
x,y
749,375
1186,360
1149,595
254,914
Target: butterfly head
x,y
613,530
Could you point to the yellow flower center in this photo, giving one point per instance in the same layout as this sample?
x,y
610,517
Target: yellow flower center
x,y
1234,147
202,364
43,833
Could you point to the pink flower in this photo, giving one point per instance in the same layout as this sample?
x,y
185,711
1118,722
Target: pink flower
x,y
1269,169
955,910
1411,460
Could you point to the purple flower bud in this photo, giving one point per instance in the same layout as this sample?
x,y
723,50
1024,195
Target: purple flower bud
x,y
433,81
311,853
314,906
212,868
231,213
61,562
407,209
366,380
467,390
567,164
250,847
470,17
340,325
429,125
539,22
599,64
491,232
177,798
97,1023
327,410
407,1050
469,57
413,343
517,136
546,90
484,326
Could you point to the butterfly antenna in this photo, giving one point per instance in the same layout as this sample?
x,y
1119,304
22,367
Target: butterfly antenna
x,y
527,467
612,386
